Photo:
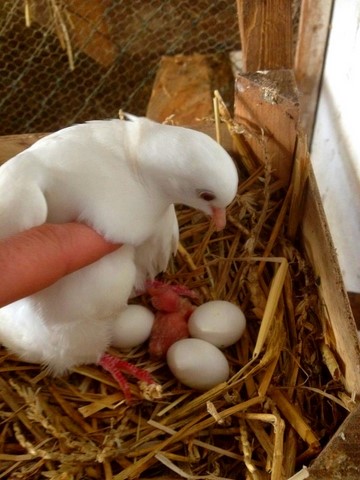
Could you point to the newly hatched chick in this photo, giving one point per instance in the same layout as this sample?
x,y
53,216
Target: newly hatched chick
x,y
173,310
122,178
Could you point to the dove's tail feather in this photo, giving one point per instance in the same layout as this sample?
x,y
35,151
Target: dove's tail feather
x,y
22,206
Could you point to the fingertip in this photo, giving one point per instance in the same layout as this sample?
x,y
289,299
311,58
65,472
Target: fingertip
x,y
36,258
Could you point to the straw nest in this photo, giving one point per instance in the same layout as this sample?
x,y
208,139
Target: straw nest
x,y
282,403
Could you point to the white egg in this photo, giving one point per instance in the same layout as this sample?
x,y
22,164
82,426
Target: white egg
x,y
197,364
132,327
218,322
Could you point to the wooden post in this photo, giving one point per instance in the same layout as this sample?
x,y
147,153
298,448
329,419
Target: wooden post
x,y
266,34
340,459
309,58
266,99
267,107
320,250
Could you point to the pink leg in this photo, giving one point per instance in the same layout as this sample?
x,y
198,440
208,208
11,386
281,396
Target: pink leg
x,y
115,365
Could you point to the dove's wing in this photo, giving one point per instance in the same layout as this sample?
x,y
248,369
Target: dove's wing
x,y
152,257
22,204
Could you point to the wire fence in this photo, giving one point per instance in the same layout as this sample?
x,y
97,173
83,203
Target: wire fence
x,y
67,61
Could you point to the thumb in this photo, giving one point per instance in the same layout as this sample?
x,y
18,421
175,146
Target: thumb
x,y
38,257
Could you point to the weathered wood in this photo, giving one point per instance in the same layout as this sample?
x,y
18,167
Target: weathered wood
x,y
11,145
80,23
184,85
340,459
355,306
267,106
266,34
321,252
91,31
310,54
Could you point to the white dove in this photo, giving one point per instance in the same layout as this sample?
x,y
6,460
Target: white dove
x,y
122,178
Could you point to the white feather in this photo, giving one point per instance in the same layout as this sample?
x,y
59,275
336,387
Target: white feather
x,y
123,179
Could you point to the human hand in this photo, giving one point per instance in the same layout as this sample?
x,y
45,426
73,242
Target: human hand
x,y
38,257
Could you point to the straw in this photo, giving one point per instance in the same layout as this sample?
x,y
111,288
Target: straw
x,y
285,396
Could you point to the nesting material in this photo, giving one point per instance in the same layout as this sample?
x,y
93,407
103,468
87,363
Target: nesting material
x,y
283,402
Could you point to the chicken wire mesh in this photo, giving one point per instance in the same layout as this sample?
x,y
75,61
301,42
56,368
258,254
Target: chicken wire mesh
x,y
67,61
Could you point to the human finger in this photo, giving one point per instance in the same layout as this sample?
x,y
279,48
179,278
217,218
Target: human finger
x,y
38,257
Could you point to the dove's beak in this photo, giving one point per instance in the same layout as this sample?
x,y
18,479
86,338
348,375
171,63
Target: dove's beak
x,y
219,217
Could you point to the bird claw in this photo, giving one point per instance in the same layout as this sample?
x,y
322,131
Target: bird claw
x,y
115,366
152,391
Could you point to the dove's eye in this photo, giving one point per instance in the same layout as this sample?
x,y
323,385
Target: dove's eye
x,y
206,195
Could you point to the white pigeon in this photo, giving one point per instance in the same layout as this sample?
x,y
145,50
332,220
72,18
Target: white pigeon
x,y
122,178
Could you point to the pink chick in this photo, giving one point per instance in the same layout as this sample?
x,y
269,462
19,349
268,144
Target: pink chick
x,y
171,318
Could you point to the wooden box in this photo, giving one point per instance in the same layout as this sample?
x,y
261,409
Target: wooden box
x,y
337,317
340,457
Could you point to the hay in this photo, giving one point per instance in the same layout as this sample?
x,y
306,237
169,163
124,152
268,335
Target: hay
x,y
57,20
285,397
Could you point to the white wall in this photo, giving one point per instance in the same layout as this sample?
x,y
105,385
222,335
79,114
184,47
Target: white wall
x,y
336,141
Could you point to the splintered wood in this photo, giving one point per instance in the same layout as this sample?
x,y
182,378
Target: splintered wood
x,y
283,401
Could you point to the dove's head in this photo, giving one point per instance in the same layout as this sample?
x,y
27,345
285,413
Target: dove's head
x,y
190,168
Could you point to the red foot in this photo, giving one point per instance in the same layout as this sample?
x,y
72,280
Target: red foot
x,y
115,366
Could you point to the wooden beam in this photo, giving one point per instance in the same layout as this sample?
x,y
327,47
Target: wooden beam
x,y
267,107
266,34
310,56
340,459
320,250
11,145
82,24
184,86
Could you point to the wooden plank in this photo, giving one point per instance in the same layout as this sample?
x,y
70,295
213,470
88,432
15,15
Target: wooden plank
x,y
321,252
91,32
11,145
78,24
181,90
266,34
355,306
310,56
267,106
340,459
184,85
